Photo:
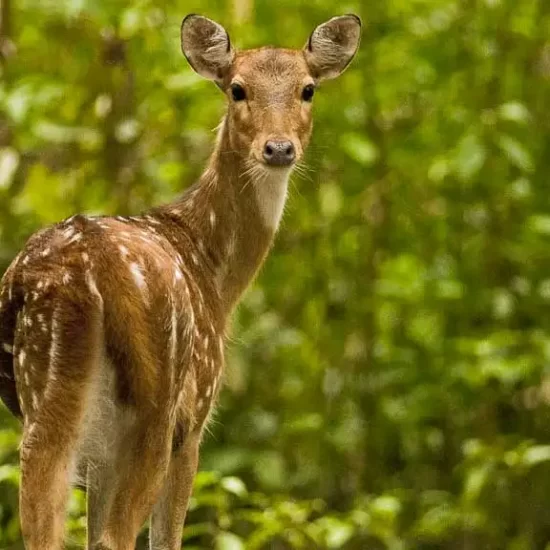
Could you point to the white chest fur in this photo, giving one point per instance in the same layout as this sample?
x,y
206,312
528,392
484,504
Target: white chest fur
x,y
271,195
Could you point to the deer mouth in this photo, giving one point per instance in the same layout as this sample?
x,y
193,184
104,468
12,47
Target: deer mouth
x,y
260,171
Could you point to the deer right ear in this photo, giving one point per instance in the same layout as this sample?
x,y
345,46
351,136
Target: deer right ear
x,y
207,47
332,46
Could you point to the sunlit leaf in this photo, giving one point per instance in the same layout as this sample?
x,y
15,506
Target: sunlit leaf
x,y
514,111
234,485
536,455
470,156
359,148
516,152
229,541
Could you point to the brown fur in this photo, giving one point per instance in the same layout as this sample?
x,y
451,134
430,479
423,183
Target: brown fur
x,y
112,329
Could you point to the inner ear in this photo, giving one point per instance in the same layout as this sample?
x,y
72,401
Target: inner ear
x,y
332,46
207,47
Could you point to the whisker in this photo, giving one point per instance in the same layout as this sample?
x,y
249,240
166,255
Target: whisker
x,y
297,189
304,171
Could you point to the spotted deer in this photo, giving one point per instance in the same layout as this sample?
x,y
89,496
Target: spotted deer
x,y
112,328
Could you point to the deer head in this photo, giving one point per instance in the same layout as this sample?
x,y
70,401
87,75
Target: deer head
x,y
269,90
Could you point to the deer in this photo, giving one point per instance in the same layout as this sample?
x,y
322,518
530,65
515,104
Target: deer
x,y
113,328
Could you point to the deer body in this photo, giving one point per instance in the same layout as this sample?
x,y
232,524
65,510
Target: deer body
x,y
112,329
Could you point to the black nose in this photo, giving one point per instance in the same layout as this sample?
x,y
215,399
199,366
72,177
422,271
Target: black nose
x,y
279,153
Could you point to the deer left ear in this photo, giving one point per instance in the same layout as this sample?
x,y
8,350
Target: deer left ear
x,y
207,47
332,46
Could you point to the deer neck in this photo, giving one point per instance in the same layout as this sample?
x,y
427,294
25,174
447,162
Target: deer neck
x,y
231,216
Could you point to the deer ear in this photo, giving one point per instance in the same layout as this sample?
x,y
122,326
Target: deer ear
x,y
207,47
332,45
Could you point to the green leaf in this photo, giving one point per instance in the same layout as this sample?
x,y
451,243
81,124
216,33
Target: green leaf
x,y
234,485
330,196
516,152
539,224
9,472
359,148
229,541
205,479
536,455
469,157
9,161
270,469
476,480
515,112
337,533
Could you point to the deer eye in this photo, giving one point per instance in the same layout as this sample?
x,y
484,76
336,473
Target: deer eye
x,y
237,92
307,92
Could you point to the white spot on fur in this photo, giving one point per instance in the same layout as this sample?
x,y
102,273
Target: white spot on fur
x,y
194,258
69,232
54,346
21,357
208,391
39,285
200,403
138,276
85,257
146,239
75,239
123,250
212,218
66,278
231,244
173,335
93,288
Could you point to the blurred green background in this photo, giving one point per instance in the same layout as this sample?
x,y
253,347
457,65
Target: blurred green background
x,y
388,383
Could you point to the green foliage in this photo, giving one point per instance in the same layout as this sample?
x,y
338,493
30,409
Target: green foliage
x,y
388,384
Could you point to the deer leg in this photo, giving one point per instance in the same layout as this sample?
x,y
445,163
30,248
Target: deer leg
x,y
141,468
171,507
100,483
55,377
45,474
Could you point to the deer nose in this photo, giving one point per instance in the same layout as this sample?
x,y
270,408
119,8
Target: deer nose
x,y
279,153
